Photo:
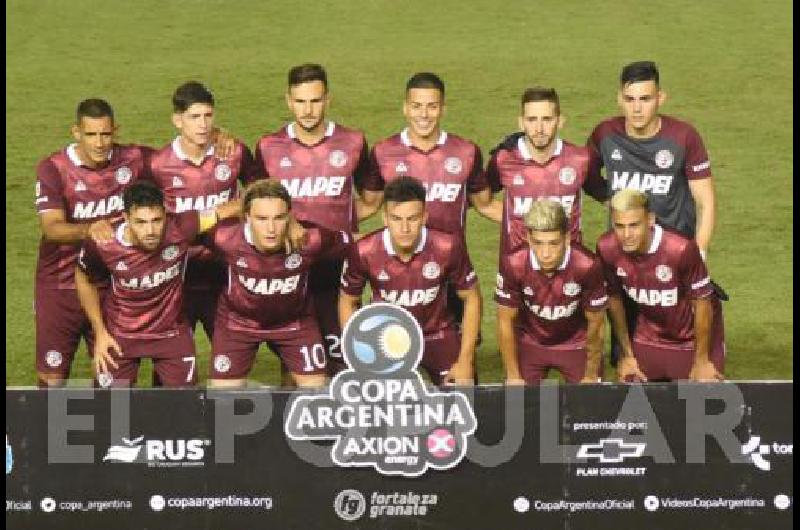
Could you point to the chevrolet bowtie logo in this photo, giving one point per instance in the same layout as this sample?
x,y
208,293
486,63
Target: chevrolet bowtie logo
x,y
611,450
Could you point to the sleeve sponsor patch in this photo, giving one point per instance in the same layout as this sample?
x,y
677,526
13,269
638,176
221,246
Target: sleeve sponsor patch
x,y
702,166
701,283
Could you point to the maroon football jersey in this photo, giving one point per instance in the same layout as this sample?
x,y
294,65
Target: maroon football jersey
x,y
551,308
420,285
268,292
320,178
146,299
525,180
662,282
85,195
188,187
450,172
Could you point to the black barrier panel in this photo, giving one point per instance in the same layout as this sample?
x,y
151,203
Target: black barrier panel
x,y
599,457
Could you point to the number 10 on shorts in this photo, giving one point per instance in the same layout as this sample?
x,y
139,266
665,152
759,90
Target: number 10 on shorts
x,y
313,358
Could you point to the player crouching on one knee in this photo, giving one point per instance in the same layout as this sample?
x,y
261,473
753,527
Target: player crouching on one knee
x,y
551,301
142,315
663,274
411,265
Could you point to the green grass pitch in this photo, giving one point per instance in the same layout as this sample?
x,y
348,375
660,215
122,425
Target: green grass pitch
x,y
726,65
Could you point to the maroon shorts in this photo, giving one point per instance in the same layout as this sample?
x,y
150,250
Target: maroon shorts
x,y
535,361
441,352
668,364
325,282
174,361
326,304
60,324
300,348
200,305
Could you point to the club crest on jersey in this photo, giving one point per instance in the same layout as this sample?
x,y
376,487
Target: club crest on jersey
x,y
528,291
285,162
401,167
567,175
293,261
104,379
431,270
53,358
453,165
571,289
663,273
222,363
383,276
170,253
121,266
177,182
616,154
242,263
621,272
664,159
337,158
222,172
123,175
519,180
80,186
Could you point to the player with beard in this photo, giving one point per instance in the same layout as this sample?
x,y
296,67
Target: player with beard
x,y
535,164
79,193
142,315
323,165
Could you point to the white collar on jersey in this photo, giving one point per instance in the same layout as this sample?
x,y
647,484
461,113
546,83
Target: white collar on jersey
x,y
564,260
328,130
72,154
248,234
522,145
657,233
387,242
407,141
121,235
176,147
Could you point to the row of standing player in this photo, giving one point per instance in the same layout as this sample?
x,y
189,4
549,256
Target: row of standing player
x,y
335,182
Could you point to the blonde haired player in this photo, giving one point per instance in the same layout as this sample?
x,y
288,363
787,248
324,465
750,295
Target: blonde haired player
x,y
550,303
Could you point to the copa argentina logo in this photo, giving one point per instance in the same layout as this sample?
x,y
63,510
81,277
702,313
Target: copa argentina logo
x,y
378,411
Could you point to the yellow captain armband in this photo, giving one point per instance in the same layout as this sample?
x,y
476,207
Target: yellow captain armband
x,y
208,218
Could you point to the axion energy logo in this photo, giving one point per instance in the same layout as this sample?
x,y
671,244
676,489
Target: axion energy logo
x,y
378,411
